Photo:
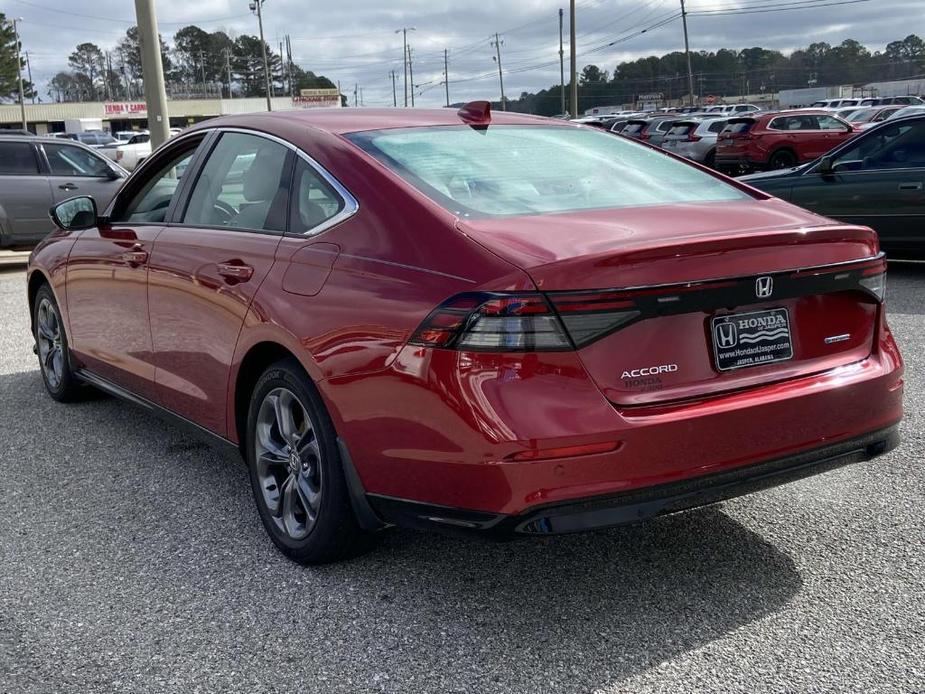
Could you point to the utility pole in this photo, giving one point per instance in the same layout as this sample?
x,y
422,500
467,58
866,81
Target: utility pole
x,y
29,71
561,60
22,96
153,70
411,75
446,75
356,92
256,5
687,51
404,57
202,70
573,97
497,44
228,67
394,93
289,65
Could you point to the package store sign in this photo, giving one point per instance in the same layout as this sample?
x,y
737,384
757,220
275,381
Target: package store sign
x,y
317,98
126,109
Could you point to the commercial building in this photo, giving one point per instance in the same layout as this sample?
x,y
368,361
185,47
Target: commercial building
x,y
47,118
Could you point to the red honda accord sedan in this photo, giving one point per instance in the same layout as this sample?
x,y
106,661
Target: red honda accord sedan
x,y
489,323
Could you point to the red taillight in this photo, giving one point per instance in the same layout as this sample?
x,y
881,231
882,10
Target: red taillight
x,y
494,323
693,138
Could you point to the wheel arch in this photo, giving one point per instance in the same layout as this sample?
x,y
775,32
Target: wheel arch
x,y
36,279
784,148
253,361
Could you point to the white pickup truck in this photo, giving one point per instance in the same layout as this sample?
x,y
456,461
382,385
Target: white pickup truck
x,y
130,154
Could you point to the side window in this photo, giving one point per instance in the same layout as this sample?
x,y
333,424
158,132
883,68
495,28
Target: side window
x,y
314,201
899,147
65,160
151,202
17,158
717,127
829,123
243,185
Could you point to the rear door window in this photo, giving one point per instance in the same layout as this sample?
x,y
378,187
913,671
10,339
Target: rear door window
x,y
739,127
243,185
18,158
717,127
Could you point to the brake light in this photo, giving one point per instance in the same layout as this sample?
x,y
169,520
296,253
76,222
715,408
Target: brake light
x,y
873,279
483,322
693,138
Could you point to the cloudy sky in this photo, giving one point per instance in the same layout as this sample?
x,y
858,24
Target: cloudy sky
x,y
354,41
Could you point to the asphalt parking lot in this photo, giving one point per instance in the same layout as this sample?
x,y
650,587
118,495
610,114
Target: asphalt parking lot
x,y
132,560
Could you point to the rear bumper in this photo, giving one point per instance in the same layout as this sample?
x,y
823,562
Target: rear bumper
x,y
638,504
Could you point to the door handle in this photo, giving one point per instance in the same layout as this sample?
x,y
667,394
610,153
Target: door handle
x,y
68,186
911,186
136,256
238,272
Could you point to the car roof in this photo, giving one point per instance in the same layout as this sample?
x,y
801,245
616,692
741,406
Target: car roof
x,y
341,121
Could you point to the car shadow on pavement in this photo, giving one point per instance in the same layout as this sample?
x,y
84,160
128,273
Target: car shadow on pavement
x,y
154,564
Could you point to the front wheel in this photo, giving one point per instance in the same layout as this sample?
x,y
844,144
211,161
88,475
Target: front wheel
x,y
52,348
295,470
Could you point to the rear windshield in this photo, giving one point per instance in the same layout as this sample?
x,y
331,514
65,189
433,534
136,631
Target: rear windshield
x,y
634,128
522,170
682,129
739,126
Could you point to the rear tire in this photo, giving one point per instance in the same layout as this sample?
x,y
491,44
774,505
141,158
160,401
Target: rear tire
x,y
53,351
296,471
710,159
782,159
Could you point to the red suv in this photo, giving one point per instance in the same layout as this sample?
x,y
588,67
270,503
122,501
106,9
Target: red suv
x,y
409,317
779,140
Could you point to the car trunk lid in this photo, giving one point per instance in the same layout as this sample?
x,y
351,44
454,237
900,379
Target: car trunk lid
x,y
667,292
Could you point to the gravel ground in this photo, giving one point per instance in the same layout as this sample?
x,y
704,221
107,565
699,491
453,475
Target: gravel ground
x,y
132,560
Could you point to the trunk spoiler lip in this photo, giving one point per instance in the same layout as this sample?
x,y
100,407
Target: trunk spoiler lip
x,y
824,268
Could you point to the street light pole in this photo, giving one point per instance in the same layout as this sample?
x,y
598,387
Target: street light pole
x,y
574,62
411,75
153,71
561,60
22,94
687,51
257,5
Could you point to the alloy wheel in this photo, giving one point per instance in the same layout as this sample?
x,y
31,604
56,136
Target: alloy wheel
x,y
288,463
48,336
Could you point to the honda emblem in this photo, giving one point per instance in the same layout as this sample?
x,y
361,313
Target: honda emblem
x,y
764,287
727,336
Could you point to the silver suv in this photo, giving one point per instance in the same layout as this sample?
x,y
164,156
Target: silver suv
x,y
38,172
695,139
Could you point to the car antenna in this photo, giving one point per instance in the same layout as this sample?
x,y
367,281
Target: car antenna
x,y
477,114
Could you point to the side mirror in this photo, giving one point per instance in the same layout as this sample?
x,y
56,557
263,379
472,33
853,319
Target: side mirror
x,y
112,174
75,214
825,166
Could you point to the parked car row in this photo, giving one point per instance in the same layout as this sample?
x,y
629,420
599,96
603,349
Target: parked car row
x,y
36,172
876,179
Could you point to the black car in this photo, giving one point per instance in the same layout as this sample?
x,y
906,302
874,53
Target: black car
x,y
876,178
